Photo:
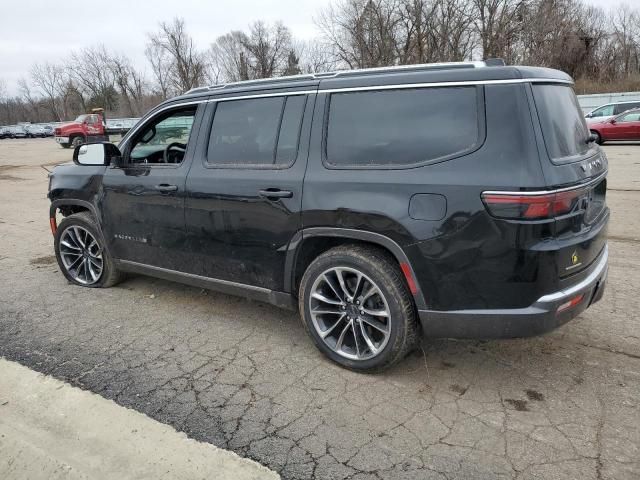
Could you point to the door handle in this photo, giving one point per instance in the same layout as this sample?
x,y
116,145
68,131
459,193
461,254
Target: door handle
x,y
163,187
273,193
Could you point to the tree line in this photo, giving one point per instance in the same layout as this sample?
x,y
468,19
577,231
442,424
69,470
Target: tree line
x,y
600,49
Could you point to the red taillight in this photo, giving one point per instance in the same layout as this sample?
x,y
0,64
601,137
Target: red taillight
x,y
571,303
531,206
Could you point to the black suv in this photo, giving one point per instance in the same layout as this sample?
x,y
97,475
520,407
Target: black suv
x,y
457,200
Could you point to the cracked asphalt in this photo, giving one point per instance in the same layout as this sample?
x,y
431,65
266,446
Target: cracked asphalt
x,y
243,375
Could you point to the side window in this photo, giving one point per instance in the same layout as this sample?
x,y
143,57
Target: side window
x,y
262,132
630,117
622,107
395,128
605,111
165,139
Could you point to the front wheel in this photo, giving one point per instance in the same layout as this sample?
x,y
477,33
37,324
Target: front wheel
x,y
82,256
356,307
77,141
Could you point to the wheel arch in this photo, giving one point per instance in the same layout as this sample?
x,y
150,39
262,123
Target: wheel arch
x,y
67,207
308,243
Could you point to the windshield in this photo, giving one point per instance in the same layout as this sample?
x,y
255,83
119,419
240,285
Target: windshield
x,y
80,118
563,126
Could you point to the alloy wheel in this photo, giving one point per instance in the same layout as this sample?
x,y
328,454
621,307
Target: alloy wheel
x,y
81,255
350,313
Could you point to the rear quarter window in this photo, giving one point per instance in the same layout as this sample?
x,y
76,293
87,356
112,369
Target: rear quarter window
x,y
401,128
563,127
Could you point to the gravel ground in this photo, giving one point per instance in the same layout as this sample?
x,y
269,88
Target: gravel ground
x,y
243,375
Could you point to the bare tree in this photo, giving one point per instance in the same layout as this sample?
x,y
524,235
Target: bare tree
x,y
129,83
91,70
268,48
229,57
50,80
187,67
160,62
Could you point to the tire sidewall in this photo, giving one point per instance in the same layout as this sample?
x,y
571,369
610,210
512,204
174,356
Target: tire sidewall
x,y
398,322
79,220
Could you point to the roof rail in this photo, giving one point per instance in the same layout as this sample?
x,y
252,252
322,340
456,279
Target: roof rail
x,y
491,62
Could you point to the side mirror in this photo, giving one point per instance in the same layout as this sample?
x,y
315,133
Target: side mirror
x,y
588,115
96,154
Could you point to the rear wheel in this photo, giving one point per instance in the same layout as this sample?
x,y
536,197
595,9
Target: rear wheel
x,y
82,256
356,307
598,137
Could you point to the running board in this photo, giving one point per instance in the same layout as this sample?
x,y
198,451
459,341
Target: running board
x,y
279,299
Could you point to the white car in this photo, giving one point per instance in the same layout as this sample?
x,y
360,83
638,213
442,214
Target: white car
x,y
610,110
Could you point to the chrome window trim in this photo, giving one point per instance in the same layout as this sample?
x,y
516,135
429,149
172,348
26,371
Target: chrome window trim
x,y
465,83
547,192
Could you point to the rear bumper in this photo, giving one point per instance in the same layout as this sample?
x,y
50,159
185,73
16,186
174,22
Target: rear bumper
x,y
536,319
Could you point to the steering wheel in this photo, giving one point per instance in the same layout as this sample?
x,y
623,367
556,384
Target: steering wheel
x,y
165,155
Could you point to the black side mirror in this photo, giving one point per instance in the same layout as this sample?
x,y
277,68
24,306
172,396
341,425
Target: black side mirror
x,y
96,154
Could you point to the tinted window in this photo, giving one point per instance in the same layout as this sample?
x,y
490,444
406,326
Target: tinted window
x,y
401,127
290,129
563,127
623,107
261,131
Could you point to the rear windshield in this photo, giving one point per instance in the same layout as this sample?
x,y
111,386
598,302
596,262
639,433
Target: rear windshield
x,y
563,127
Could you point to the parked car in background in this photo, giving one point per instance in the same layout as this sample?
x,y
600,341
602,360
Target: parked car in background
x,y
610,110
35,131
623,127
48,129
5,133
18,131
383,204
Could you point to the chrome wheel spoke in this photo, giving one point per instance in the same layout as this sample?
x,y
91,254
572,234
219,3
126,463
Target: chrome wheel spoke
x,y
367,338
375,313
350,313
333,327
377,324
340,340
322,298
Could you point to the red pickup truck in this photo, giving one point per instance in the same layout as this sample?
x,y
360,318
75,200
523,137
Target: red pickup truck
x,y
86,128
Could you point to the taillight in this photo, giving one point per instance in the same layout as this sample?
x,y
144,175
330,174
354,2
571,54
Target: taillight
x,y
531,206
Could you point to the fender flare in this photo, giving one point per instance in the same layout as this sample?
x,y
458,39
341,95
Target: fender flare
x,y
354,234
55,204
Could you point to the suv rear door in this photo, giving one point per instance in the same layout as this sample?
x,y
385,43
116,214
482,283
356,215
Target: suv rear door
x,y
244,191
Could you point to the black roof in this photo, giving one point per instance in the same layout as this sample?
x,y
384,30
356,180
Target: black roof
x,y
427,73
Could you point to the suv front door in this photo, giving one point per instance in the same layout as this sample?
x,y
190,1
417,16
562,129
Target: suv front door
x,y
244,191
143,201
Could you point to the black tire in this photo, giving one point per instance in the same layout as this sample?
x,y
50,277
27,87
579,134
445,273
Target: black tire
x,y
110,275
598,137
383,270
76,141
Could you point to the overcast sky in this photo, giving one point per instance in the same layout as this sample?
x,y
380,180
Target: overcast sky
x,y
41,30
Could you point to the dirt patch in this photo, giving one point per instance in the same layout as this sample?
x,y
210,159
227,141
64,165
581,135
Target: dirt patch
x,y
519,405
460,390
534,395
4,168
11,178
47,260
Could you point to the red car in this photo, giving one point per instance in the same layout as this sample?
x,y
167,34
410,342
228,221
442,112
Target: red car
x,y
625,126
